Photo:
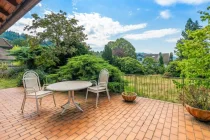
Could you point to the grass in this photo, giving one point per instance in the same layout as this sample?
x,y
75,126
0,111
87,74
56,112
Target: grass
x,y
155,87
7,83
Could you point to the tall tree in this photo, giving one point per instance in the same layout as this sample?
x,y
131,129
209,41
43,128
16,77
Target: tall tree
x,y
66,36
190,26
107,54
196,51
161,63
171,57
122,48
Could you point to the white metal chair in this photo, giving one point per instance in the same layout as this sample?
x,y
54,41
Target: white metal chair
x,y
33,89
101,86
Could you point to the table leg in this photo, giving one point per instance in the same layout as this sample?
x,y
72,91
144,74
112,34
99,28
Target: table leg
x,y
76,104
67,105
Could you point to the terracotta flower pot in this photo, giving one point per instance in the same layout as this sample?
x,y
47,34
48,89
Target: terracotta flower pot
x,y
202,115
129,98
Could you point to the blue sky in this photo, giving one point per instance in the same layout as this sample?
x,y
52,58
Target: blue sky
x,y
152,26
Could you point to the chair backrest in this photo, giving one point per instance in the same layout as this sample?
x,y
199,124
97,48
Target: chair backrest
x,y
31,80
103,77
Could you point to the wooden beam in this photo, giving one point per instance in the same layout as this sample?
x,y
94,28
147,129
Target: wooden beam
x,y
1,20
4,12
13,2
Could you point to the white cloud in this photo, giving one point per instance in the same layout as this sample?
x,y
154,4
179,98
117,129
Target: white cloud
x,y
21,24
47,12
152,34
100,29
165,14
39,5
171,2
173,40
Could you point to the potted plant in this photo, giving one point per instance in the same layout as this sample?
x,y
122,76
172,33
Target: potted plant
x,y
128,95
197,101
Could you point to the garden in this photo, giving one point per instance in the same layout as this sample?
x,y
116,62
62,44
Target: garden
x,y
60,53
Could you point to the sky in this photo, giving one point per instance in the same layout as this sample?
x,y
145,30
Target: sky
x,y
152,26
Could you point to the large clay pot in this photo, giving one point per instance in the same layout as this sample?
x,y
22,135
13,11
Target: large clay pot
x,y
202,115
129,98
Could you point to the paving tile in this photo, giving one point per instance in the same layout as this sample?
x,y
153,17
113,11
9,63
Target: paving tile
x,y
145,120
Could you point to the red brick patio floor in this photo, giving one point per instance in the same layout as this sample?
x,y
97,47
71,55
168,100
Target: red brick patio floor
x,y
144,119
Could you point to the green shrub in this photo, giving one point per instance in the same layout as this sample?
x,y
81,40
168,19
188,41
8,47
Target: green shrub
x,y
88,67
129,65
174,69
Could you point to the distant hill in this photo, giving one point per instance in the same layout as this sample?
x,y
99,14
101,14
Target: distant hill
x,y
11,36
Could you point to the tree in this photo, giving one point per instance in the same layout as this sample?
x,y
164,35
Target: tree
x,y
107,54
66,36
129,65
174,69
161,63
171,57
196,51
122,48
190,26
150,65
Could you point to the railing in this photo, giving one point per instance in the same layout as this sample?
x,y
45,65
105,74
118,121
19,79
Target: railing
x,y
158,87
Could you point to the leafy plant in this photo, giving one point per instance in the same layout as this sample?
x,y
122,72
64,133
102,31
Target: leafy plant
x,y
88,67
198,97
129,65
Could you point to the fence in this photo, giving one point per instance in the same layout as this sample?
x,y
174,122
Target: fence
x,y
158,87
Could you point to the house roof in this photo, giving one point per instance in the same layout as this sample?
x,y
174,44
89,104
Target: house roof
x,y
4,43
4,55
154,56
12,10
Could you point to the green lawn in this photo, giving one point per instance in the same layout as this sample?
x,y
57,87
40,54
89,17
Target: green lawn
x,y
155,87
8,83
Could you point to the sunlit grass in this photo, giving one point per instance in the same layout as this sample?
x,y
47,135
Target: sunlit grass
x,y
7,83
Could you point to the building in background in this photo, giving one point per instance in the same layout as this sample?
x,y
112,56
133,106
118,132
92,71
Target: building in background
x,y
142,56
5,46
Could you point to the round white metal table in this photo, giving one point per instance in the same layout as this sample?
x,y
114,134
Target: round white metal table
x,y
69,86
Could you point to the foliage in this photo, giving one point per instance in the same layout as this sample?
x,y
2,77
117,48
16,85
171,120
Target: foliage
x,y
88,67
190,26
174,69
161,63
167,74
3,68
129,65
197,97
66,38
171,57
150,65
7,83
122,48
196,62
107,54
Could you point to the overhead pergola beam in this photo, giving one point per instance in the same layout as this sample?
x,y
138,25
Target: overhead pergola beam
x,y
4,12
21,10
1,20
13,2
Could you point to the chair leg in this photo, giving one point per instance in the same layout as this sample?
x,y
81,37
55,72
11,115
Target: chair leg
x,y
37,106
97,100
107,91
86,96
40,101
23,104
54,99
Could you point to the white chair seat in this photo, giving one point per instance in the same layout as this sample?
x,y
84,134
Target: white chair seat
x,y
97,88
39,94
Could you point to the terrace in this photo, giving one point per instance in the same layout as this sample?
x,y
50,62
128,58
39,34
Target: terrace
x,y
143,119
